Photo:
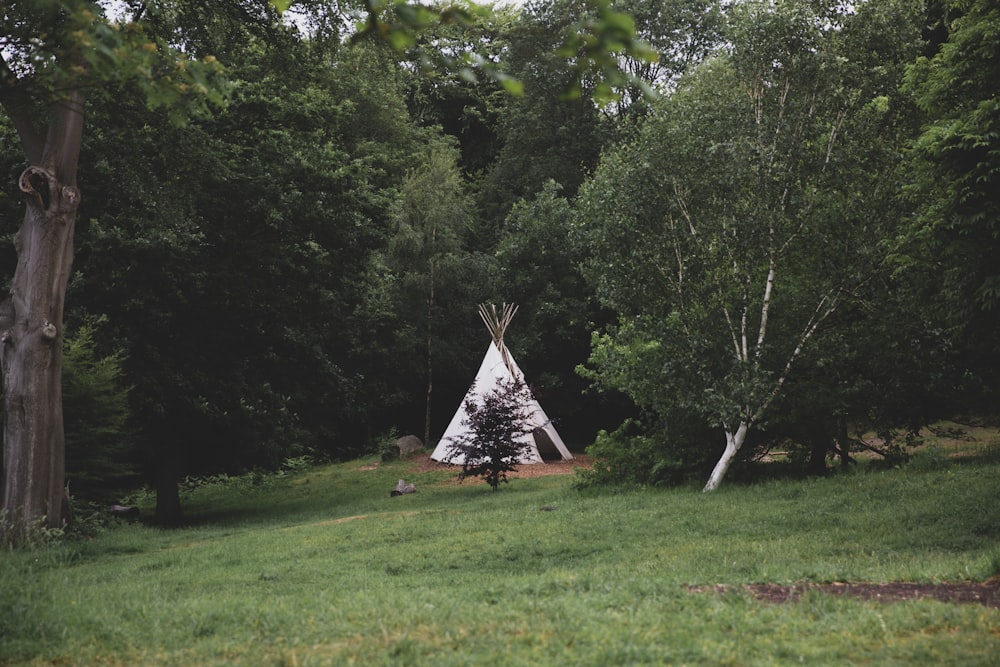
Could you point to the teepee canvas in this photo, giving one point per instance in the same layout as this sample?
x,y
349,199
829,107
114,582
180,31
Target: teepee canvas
x,y
544,443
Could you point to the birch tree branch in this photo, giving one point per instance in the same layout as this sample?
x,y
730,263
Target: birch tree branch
x,y
824,309
765,308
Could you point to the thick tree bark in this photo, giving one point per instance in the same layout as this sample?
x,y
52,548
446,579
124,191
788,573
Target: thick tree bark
x,y
31,327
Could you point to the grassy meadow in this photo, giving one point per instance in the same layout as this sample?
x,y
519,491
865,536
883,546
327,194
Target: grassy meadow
x,y
325,568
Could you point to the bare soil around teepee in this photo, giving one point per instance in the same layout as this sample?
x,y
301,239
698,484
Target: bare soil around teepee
x,y
426,463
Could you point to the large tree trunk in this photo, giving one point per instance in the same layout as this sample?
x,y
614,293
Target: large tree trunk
x,y
820,443
31,326
733,443
167,480
843,443
430,357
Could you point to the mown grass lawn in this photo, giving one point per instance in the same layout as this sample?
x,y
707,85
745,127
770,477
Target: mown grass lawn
x,y
325,568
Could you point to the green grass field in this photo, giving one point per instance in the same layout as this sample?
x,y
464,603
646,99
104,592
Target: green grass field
x,y
325,568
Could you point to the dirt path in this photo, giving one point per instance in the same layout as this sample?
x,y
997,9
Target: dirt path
x,y
986,593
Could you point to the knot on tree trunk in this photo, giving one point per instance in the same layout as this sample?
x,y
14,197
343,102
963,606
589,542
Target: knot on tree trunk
x,y
49,330
71,195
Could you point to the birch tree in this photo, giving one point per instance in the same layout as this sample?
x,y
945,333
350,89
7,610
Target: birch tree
x,y
739,221
427,251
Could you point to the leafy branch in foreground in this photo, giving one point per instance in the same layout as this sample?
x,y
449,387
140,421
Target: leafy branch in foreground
x,y
497,428
596,45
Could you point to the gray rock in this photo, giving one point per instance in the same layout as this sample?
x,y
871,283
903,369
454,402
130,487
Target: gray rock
x,y
402,487
409,444
124,511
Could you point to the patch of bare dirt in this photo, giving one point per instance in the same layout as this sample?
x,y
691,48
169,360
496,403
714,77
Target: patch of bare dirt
x,y
986,593
426,463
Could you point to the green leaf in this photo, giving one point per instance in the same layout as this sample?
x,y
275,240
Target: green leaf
x,y
511,85
604,93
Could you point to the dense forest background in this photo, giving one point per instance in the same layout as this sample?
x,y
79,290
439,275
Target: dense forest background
x,y
785,227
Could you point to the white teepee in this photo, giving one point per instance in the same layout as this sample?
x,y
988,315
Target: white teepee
x,y
543,441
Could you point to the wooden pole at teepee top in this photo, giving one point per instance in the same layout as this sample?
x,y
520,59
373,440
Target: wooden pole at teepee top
x,y
497,324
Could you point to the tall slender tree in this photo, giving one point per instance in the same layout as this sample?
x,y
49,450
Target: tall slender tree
x,y
428,250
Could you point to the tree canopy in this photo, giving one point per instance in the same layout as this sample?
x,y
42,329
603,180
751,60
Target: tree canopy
x,y
266,224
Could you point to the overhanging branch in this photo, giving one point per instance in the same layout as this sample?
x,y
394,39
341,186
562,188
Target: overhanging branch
x,y
17,103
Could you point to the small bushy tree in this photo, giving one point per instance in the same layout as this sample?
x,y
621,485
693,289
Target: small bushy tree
x,y
101,458
494,444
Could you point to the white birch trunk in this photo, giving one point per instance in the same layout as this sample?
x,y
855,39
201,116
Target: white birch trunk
x,y
734,441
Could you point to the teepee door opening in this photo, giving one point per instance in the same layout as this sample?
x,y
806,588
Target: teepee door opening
x,y
546,447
